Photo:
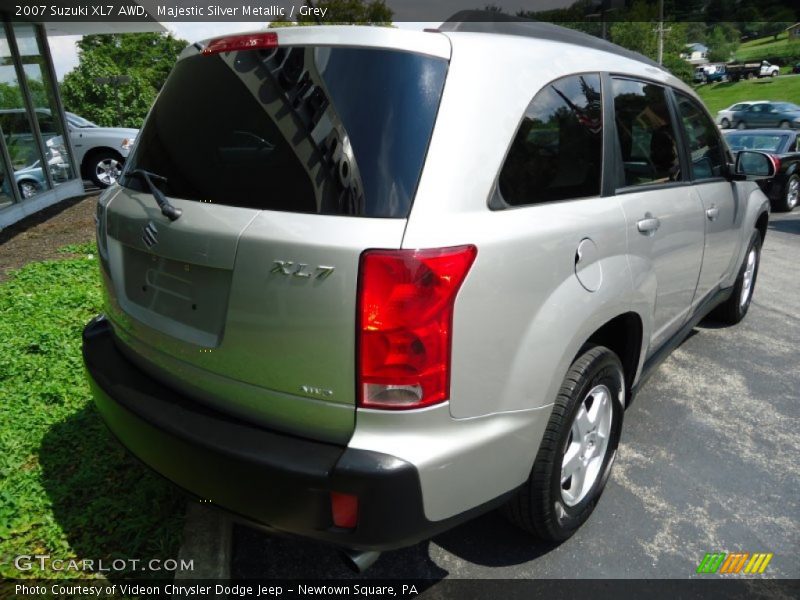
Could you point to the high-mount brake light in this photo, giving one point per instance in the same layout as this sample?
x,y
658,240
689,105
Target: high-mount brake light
x,y
405,322
251,41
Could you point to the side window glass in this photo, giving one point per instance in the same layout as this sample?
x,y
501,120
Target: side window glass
x,y
557,153
646,133
705,144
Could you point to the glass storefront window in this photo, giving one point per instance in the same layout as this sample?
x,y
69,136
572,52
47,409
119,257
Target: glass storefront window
x,y
42,94
21,143
6,196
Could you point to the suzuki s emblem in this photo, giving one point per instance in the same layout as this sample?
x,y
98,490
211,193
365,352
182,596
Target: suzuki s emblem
x,y
150,234
292,269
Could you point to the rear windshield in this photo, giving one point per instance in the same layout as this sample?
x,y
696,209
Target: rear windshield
x,y
755,141
328,130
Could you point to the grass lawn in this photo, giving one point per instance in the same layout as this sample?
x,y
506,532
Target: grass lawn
x,y
67,488
766,47
721,95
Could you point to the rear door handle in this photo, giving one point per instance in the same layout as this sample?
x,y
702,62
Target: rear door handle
x,y
712,213
648,225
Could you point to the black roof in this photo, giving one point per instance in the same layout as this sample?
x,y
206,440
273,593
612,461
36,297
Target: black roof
x,y
482,21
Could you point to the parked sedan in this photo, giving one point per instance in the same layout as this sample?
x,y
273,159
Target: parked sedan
x,y
784,149
728,115
31,179
768,114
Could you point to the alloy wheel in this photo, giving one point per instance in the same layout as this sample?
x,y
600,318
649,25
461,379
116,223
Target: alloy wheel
x,y
27,189
792,193
587,445
108,170
747,279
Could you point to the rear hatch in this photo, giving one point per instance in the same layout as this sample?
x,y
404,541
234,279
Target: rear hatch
x,y
286,163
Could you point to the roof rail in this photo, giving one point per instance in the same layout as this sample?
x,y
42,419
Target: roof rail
x,y
483,21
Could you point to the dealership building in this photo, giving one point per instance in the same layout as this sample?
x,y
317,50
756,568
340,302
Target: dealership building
x,y
36,164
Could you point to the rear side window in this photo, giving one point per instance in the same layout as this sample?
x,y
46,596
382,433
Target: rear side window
x,y
646,133
557,153
705,143
328,130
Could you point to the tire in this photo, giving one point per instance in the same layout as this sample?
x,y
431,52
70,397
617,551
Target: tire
x,y
790,196
725,123
773,74
751,76
27,189
785,125
741,125
734,309
544,506
103,167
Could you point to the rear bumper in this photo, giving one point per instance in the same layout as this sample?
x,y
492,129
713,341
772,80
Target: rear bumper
x,y
272,479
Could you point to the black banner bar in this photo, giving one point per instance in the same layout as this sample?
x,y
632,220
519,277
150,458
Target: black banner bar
x,y
460,589
785,12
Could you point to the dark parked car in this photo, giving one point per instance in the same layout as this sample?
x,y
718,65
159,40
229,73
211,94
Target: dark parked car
x,y
796,69
784,148
785,115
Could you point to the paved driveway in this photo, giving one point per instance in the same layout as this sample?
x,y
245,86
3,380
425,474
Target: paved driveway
x,y
709,462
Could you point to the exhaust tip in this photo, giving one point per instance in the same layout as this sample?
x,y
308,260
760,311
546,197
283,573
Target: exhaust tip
x,y
358,561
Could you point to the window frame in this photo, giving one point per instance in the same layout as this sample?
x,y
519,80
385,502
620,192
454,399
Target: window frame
x,y
726,158
496,202
618,171
612,172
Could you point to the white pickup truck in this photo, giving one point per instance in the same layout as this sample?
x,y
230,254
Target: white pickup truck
x,y
752,70
99,151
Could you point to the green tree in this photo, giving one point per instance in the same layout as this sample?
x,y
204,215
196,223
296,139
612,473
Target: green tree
x,y
345,12
10,95
121,105
696,32
143,59
638,32
150,54
722,42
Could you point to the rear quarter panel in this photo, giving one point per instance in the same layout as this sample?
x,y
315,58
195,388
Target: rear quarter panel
x,y
521,315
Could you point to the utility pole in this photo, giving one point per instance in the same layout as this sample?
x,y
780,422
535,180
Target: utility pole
x,y
661,31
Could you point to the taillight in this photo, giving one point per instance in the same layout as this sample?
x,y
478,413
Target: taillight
x,y
405,322
776,162
251,41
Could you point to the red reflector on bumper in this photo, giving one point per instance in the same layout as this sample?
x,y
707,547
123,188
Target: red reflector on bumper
x,y
344,508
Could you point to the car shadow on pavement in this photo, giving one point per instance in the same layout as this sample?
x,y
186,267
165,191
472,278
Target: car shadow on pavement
x,y
492,541
108,505
488,540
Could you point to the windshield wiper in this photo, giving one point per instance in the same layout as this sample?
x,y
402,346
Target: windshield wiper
x,y
169,211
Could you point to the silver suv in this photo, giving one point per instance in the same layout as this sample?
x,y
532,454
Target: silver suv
x,y
363,284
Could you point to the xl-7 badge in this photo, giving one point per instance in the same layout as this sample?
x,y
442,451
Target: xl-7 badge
x,y
292,269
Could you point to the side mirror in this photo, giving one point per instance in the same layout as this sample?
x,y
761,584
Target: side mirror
x,y
753,165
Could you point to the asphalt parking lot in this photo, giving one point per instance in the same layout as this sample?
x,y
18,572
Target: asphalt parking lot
x,y
709,462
